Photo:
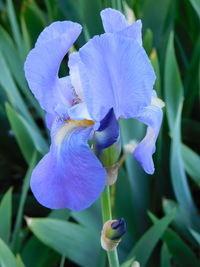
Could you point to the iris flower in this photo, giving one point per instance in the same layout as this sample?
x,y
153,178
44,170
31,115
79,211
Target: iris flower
x,y
111,78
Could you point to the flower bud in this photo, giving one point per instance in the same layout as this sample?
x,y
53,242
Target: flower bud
x,y
135,264
130,147
110,155
111,234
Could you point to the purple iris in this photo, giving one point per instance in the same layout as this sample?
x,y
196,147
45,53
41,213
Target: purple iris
x,y
110,78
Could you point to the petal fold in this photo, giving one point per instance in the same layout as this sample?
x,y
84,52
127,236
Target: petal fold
x,y
152,117
69,176
43,63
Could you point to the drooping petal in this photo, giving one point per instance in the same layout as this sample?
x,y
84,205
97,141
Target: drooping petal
x,y
69,176
43,62
120,76
114,21
152,117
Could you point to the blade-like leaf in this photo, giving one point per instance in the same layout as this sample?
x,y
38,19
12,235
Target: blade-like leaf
x,y
196,6
28,139
15,65
19,261
191,163
195,235
180,251
174,102
7,259
25,188
6,216
15,28
21,134
69,239
144,247
37,254
165,256
138,179
182,222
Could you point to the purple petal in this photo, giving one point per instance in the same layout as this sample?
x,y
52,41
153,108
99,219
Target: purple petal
x,y
108,132
134,31
74,63
79,112
69,176
43,62
49,119
152,117
115,22
120,76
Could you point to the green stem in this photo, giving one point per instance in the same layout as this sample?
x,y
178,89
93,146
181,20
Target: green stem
x,y
107,215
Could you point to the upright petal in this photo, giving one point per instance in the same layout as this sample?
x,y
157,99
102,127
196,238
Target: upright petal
x,y
43,62
74,63
115,22
116,73
69,176
152,117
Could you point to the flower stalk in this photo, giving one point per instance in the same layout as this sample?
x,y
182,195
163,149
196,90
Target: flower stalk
x,y
107,215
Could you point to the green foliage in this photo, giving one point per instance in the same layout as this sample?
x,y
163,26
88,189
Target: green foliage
x,y
171,39
6,216
69,239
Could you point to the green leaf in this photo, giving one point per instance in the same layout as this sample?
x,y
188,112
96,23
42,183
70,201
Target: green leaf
x,y
7,259
6,216
36,254
27,137
196,6
25,188
180,251
23,138
69,239
90,217
195,235
165,256
148,41
174,102
8,84
15,28
139,181
155,64
128,263
191,163
144,247
173,85
30,15
182,222
15,65
19,261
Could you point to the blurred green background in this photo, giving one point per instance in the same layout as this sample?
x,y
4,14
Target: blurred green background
x,y
161,211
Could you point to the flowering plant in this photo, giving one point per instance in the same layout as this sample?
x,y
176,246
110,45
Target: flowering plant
x,y
111,78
